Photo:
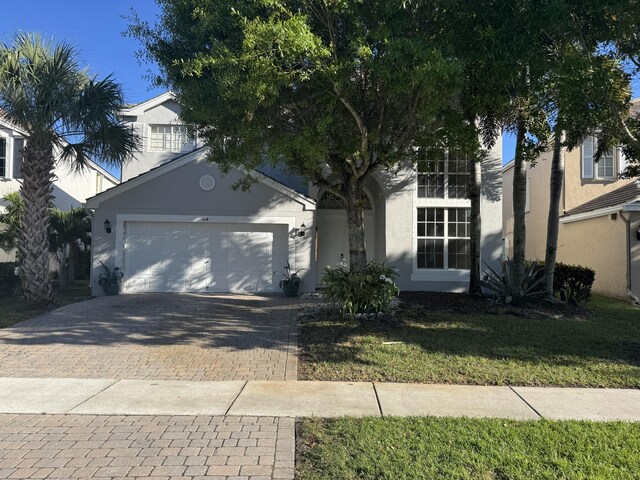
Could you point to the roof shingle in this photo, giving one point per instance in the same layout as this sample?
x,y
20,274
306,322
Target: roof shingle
x,y
620,196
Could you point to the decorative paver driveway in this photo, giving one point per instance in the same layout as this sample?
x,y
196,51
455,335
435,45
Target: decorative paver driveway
x,y
158,336
108,447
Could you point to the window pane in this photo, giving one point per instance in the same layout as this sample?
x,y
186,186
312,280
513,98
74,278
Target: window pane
x,y
18,146
432,243
3,157
604,167
459,254
431,179
430,253
458,175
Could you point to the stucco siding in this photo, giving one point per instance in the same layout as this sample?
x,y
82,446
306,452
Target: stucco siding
x,y
144,160
178,194
578,190
400,232
634,244
599,243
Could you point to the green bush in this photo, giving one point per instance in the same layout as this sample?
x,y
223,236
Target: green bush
x,y
9,281
504,286
368,291
573,282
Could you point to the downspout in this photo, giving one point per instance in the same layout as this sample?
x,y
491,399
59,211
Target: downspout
x,y
627,221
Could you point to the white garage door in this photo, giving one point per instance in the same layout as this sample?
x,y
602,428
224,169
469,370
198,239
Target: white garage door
x,y
203,257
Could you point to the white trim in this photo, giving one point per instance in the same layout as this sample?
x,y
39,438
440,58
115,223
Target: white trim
x,y
434,275
601,212
11,126
140,108
104,172
199,154
438,275
121,219
632,207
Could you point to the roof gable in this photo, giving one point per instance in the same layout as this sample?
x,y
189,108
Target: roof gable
x,y
140,108
196,155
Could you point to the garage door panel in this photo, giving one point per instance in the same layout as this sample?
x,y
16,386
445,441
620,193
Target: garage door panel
x,y
186,257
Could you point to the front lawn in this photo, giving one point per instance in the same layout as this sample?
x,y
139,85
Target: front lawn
x,y
466,449
14,309
600,349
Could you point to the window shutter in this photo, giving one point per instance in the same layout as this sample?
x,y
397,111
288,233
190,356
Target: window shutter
x,y
138,129
18,145
622,161
587,158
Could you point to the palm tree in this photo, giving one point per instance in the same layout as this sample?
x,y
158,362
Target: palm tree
x,y
10,221
67,228
69,117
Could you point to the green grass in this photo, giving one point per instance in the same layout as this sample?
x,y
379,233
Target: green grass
x,y
14,309
600,350
462,448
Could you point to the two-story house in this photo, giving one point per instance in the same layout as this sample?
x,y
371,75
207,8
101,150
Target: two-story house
x,y
70,188
176,224
600,217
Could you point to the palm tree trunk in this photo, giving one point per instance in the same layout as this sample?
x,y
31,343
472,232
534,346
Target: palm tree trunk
x,y
553,222
475,179
355,228
519,206
73,249
36,189
62,284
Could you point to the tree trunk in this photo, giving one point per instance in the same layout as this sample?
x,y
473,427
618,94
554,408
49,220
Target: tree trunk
x,y
73,250
355,229
36,190
519,206
553,222
475,178
62,284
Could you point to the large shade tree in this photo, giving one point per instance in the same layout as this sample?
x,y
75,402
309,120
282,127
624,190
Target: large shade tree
x,y
337,90
69,117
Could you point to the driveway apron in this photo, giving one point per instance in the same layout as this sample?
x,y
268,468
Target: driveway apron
x,y
158,337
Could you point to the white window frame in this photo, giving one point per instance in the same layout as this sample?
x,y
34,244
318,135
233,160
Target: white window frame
x,y
4,156
436,274
175,129
445,237
595,166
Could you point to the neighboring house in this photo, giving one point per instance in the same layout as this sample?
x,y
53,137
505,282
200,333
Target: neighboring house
x,y
70,188
177,225
599,222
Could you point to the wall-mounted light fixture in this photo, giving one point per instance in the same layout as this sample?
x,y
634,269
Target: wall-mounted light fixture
x,y
107,226
302,230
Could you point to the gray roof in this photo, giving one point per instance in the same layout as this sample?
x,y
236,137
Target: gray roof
x,y
620,196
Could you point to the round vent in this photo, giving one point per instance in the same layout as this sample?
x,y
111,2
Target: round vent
x,y
207,182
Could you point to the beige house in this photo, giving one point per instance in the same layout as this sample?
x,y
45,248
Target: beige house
x,y
600,217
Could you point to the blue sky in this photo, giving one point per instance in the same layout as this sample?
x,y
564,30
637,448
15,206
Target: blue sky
x,y
95,27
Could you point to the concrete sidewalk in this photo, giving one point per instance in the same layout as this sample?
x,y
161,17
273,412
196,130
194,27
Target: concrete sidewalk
x,y
302,399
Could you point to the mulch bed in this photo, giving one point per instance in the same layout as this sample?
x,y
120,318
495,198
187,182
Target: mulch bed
x,y
478,304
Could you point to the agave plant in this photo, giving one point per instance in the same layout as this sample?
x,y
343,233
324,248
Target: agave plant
x,y
110,279
504,286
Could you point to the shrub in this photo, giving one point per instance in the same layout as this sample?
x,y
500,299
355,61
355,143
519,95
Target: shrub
x,y
505,287
9,281
573,282
368,291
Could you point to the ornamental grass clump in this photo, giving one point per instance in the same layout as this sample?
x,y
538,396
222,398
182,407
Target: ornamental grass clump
x,y
367,291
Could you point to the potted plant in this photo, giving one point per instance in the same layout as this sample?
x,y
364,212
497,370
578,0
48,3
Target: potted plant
x,y
290,283
111,280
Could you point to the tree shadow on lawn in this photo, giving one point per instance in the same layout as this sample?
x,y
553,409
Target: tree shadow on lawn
x,y
553,341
